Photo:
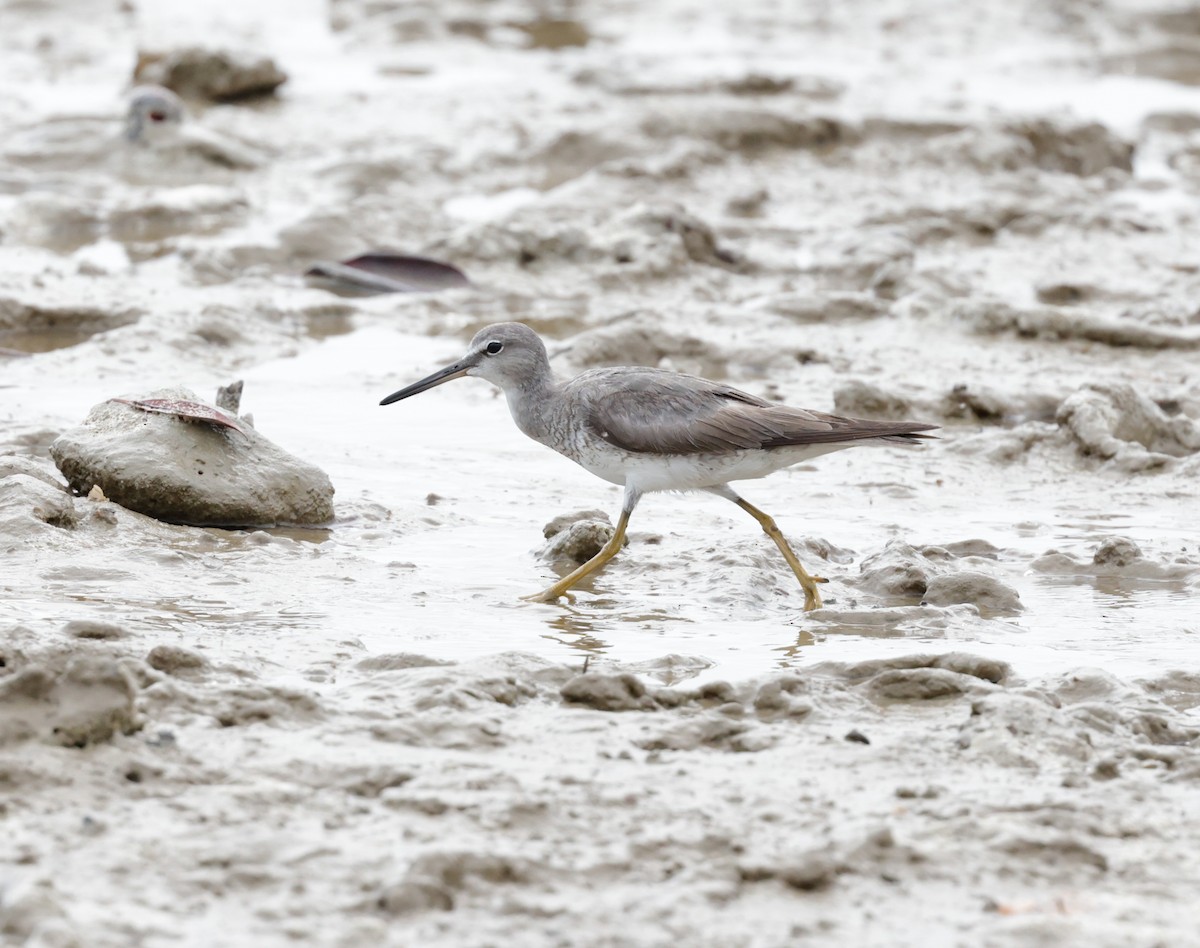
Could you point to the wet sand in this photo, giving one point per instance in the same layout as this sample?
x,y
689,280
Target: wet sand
x,y
356,733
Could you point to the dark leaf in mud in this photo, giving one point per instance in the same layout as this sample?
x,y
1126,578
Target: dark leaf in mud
x,y
388,273
196,412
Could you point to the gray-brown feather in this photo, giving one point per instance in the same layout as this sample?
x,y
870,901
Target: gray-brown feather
x,y
658,412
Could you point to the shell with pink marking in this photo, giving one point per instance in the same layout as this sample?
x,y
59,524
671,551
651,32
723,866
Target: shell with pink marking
x,y
192,412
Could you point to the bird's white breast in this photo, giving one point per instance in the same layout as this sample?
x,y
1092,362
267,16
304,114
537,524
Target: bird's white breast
x,y
648,472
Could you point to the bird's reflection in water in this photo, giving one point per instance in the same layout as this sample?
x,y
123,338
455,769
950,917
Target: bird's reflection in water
x,y
574,630
790,654
579,630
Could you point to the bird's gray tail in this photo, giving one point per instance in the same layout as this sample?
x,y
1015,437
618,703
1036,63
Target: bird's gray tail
x,y
909,437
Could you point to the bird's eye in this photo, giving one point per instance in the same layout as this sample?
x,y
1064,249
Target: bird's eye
x,y
157,116
494,347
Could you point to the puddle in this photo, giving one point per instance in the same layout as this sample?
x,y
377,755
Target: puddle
x,y
315,535
326,325
29,342
1173,62
555,34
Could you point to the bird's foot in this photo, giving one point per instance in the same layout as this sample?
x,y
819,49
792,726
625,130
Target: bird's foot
x,y
549,595
812,596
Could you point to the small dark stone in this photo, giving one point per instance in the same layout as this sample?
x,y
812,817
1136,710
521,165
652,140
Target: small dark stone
x,y
93,629
856,737
810,872
173,660
229,397
214,74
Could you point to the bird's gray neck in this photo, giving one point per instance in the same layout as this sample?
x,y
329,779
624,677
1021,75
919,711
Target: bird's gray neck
x,y
531,402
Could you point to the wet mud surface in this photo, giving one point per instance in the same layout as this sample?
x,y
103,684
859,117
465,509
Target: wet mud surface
x,y
352,730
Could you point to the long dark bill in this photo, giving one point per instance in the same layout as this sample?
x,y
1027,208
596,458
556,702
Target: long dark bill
x,y
455,371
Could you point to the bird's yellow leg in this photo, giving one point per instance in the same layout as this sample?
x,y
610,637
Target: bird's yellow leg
x,y
812,598
596,563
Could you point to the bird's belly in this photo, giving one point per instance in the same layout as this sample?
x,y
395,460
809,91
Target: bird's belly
x,y
649,472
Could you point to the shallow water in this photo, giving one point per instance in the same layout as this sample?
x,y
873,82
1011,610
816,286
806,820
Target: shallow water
x,y
398,573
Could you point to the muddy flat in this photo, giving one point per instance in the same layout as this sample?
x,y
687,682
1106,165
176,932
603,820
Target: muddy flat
x,y
355,732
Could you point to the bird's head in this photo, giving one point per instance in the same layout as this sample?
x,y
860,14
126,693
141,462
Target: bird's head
x,y
152,110
508,355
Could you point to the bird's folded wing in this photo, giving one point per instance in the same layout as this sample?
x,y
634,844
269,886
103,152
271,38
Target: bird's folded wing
x,y
673,414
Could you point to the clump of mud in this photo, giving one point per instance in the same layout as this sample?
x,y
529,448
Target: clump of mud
x,y
63,698
216,74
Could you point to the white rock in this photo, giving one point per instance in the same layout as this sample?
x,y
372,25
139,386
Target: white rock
x,y
192,474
